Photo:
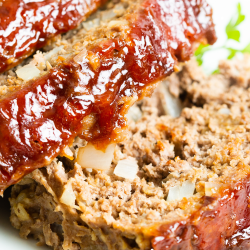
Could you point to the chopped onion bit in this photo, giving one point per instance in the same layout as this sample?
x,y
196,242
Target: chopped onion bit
x,y
68,197
28,72
54,51
91,24
90,157
174,193
108,14
172,105
224,111
179,192
212,188
127,168
21,213
67,153
134,113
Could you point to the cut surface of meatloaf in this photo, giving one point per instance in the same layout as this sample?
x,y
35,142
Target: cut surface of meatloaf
x,y
26,26
190,190
86,89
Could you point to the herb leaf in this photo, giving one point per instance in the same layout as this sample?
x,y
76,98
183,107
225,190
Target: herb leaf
x,y
232,33
232,27
241,17
199,53
232,53
246,49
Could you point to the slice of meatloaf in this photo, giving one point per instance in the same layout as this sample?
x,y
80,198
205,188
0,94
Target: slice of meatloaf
x,y
87,89
29,25
184,182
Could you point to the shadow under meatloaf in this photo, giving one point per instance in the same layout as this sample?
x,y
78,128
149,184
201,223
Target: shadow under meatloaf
x,y
29,25
200,158
91,86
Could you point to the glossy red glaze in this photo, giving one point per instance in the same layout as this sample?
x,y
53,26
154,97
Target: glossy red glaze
x,y
222,223
26,25
38,121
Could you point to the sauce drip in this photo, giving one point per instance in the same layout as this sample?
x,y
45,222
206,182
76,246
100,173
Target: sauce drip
x,y
38,121
27,25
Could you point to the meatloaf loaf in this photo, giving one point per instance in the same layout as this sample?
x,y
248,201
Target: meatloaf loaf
x,y
184,183
86,85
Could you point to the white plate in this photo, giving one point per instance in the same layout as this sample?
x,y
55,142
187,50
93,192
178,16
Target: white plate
x,y
223,11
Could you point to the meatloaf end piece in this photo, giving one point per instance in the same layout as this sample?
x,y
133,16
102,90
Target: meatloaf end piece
x,y
191,190
87,89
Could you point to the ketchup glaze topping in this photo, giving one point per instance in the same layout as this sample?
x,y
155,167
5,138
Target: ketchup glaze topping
x,y
39,120
222,223
26,25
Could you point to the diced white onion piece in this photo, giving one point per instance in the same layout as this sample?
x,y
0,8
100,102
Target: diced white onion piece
x,y
54,51
38,59
171,105
224,111
68,197
174,193
187,189
212,188
177,193
127,168
28,72
91,24
21,213
90,157
108,14
134,113
67,153
118,7
21,197
117,24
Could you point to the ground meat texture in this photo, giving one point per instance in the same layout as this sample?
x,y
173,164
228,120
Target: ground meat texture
x,y
195,87
207,146
114,65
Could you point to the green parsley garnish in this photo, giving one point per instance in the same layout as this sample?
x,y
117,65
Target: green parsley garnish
x,y
232,33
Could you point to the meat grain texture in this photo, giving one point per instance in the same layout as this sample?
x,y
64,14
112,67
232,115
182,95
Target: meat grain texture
x,y
207,146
